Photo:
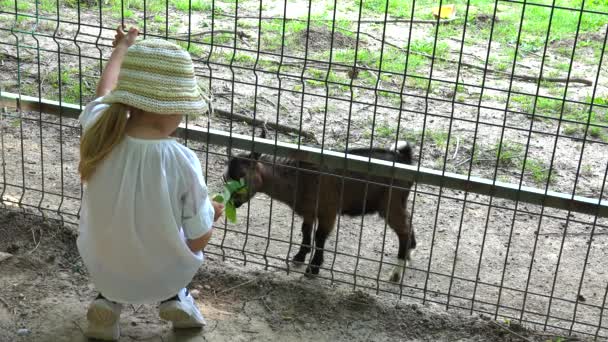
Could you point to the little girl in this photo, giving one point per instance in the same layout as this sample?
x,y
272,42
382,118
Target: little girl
x,y
146,214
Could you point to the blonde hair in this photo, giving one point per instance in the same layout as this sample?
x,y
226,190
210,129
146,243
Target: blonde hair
x,y
101,138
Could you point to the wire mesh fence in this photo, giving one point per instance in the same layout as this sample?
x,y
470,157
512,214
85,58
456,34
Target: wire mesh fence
x,y
504,102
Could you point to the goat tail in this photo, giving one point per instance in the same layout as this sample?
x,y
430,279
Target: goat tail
x,y
404,151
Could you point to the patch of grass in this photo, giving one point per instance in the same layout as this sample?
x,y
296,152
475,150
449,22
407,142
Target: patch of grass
x,y
341,82
426,46
393,60
548,106
10,4
268,65
243,58
48,5
197,5
538,170
509,154
582,116
385,131
595,132
535,24
219,38
398,8
524,102
413,137
587,170
419,83
195,49
275,26
563,66
314,83
439,138
394,98
544,106
571,129
316,73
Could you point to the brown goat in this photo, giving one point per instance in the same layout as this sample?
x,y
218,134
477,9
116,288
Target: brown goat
x,y
300,186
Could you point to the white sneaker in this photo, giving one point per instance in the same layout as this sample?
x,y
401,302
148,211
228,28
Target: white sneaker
x,y
183,313
104,319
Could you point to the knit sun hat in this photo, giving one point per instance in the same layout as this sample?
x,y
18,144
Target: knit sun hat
x,y
157,76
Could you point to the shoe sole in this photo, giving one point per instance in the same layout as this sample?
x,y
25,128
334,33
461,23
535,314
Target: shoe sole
x,y
103,335
179,318
101,315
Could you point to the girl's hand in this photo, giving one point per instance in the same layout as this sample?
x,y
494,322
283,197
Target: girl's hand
x,y
125,38
219,210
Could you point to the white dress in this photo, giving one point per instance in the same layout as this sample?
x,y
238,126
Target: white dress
x,y
138,208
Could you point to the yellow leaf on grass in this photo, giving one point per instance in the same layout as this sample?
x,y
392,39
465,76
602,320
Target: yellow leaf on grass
x,y
446,12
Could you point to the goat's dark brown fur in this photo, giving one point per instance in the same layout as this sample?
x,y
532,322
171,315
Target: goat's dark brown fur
x,y
297,184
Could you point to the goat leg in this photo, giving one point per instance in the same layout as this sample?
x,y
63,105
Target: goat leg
x,y
305,246
399,221
325,227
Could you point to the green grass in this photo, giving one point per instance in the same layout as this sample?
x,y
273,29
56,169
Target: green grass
x,y
570,129
398,8
537,170
153,6
393,60
194,49
197,5
71,90
535,18
385,131
394,98
587,170
419,83
536,23
10,5
426,46
275,31
48,5
510,153
439,138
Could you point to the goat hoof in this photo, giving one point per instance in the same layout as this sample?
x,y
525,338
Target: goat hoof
x,y
299,258
312,270
395,277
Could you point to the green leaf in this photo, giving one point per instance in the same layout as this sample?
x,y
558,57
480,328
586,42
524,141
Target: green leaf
x,y
242,181
227,195
218,198
230,211
233,186
242,191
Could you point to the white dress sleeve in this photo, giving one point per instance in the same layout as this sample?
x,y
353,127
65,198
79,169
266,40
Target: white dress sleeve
x,y
198,212
91,113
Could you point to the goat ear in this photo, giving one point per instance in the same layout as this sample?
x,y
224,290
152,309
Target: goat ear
x,y
264,133
254,155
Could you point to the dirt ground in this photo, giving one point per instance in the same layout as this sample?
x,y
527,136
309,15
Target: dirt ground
x,y
511,261
45,291
472,260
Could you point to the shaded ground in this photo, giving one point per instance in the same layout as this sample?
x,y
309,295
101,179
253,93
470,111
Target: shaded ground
x,y
46,290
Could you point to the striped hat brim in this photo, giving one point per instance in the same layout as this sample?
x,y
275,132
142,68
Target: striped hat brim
x,y
157,76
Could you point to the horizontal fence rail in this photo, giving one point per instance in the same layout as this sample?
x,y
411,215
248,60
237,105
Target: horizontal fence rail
x,y
338,161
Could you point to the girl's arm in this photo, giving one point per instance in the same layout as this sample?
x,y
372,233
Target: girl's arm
x,y
121,44
199,244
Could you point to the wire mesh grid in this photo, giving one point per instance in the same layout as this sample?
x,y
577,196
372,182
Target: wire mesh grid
x,y
509,91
